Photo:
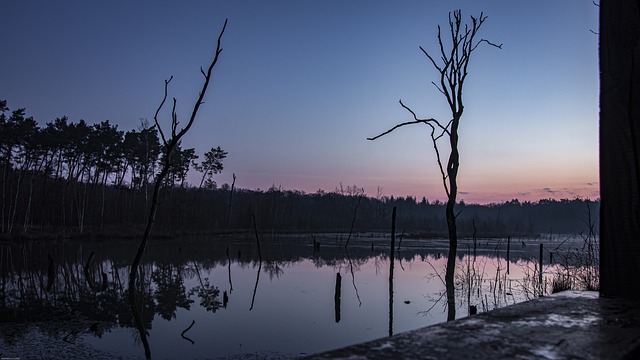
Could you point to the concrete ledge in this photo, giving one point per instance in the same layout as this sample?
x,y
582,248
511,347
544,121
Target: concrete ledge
x,y
568,325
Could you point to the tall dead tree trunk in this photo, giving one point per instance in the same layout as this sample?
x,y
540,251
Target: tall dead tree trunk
x,y
170,144
454,58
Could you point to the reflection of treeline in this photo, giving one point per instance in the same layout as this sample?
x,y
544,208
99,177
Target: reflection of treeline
x,y
55,280
70,177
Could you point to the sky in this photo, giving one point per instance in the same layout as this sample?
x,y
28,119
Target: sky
x,y
300,85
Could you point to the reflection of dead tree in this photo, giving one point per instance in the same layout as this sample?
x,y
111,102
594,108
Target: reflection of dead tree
x,y
87,274
436,273
170,143
435,302
229,270
353,278
452,67
195,265
337,296
391,262
255,288
137,318
187,329
400,242
429,277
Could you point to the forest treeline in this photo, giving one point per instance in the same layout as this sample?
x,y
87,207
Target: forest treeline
x,y
76,178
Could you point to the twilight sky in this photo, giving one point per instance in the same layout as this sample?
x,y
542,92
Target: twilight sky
x,y
301,84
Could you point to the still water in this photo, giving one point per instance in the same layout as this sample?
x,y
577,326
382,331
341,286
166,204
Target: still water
x,y
217,297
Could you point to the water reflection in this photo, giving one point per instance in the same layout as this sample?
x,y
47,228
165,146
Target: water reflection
x,y
139,323
255,288
392,260
185,331
57,281
170,293
337,297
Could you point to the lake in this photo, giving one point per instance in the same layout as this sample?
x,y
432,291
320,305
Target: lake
x,y
219,297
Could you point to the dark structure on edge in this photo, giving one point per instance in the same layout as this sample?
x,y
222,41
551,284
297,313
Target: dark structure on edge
x,y
620,148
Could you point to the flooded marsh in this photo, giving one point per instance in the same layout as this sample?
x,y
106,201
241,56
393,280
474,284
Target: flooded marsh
x,y
215,297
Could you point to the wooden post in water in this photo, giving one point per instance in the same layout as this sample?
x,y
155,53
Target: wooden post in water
x,y
540,273
392,257
508,251
473,221
336,296
393,237
255,229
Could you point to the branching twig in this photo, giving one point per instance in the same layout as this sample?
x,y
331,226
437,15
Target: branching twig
x,y
155,117
436,272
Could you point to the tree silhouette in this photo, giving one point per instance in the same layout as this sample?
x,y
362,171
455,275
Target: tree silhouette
x,y
452,67
212,164
179,161
141,152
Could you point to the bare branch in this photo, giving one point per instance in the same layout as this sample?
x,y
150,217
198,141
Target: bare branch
x,y
431,122
488,42
443,54
415,117
207,78
439,89
435,271
426,312
155,117
432,61
174,119
446,131
434,140
395,127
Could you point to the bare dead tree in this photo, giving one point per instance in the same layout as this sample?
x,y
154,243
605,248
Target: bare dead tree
x,y
170,142
452,64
